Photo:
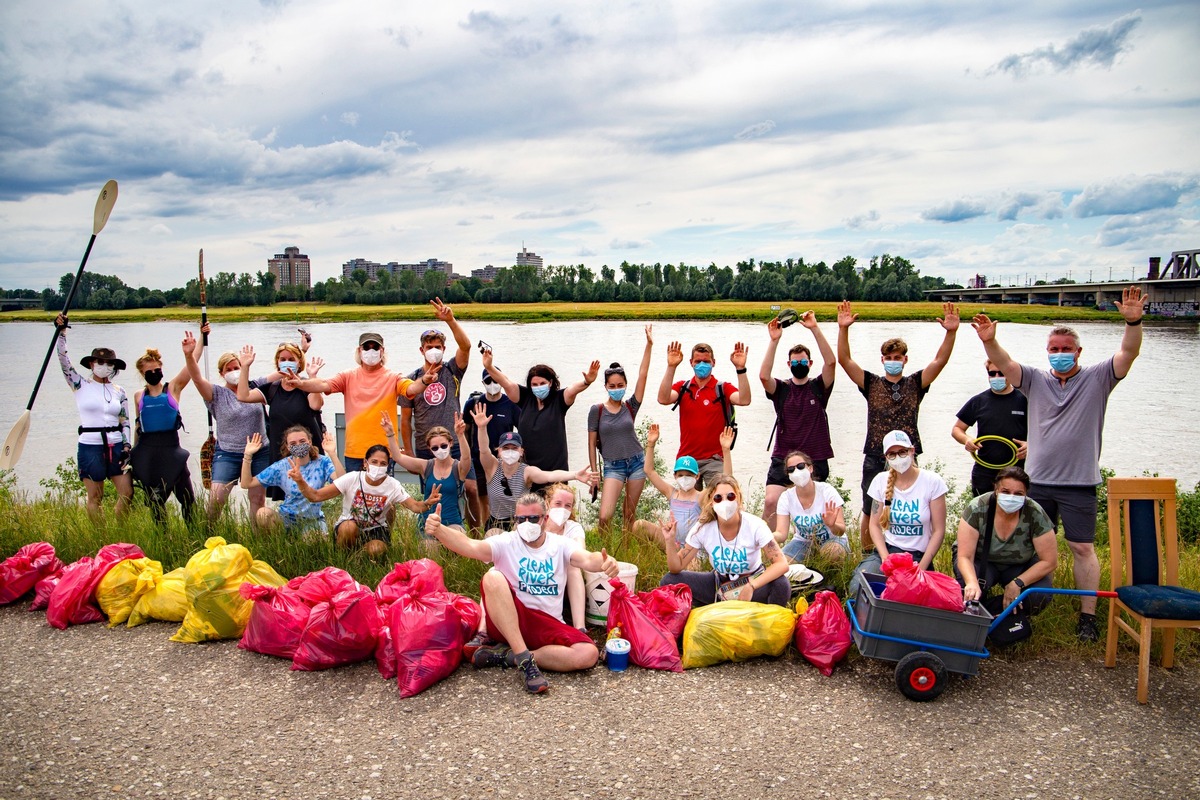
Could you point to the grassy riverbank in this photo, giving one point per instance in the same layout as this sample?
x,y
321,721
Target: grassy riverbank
x,y
549,312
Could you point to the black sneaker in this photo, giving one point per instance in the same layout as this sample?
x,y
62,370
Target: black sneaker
x,y
494,655
535,681
479,640
1087,630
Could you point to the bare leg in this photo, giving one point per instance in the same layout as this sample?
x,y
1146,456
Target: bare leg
x,y
608,501
268,519
346,534
577,592
1087,572
258,499
557,658
499,605
95,495
123,483
633,493
375,549
833,552
769,502
217,496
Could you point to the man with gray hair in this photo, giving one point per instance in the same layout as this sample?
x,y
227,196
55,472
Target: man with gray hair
x,y
1067,404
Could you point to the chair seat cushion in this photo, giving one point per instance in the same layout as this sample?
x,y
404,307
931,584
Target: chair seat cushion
x,y
1161,602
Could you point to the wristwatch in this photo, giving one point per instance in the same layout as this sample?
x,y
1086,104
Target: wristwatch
x,y
1020,583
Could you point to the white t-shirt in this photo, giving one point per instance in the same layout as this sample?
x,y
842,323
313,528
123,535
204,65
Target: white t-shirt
x,y
741,556
539,577
909,526
574,531
366,504
807,523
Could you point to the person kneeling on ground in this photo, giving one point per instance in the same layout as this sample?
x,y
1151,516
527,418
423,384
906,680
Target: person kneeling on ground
x,y
810,514
1022,551
368,498
523,594
296,513
735,542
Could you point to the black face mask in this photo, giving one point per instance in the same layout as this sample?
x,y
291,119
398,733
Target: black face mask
x,y
153,377
799,371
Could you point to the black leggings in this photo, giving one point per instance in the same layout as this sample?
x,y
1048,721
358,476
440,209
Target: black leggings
x,y
156,497
704,588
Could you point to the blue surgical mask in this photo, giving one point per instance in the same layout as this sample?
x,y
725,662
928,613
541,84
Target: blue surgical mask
x,y
541,392
1062,362
997,384
617,394
1010,503
288,366
703,369
893,367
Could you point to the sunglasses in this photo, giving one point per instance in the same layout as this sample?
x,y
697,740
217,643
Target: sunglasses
x,y
371,346
717,498
528,518
995,373
439,448
796,362
504,485
100,361
796,467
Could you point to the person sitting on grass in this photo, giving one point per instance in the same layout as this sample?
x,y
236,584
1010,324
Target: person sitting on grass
x,y
522,595
368,502
450,475
297,514
560,502
810,513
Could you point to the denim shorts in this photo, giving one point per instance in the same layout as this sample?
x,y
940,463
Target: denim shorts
x,y
92,465
626,469
797,549
227,466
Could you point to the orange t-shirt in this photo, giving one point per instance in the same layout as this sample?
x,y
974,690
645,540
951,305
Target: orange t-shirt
x,y
366,393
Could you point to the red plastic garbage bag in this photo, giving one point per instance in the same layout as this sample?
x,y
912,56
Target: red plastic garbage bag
x,y
823,632
651,645
21,571
276,620
671,605
43,590
908,583
469,614
317,587
341,630
427,634
421,576
385,650
73,601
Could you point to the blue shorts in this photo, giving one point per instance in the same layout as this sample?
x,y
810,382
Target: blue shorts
x,y
227,466
93,467
797,549
626,469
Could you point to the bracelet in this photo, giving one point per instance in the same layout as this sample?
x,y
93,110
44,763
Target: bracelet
x,y
1020,583
1127,322
741,371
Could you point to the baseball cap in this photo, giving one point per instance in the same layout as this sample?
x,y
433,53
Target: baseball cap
x,y
487,376
896,439
370,337
687,464
510,438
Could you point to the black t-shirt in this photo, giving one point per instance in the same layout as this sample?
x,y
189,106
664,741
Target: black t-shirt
x,y
286,409
544,430
997,415
505,416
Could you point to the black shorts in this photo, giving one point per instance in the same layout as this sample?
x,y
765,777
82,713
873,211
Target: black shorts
x,y
1076,506
377,533
777,475
872,466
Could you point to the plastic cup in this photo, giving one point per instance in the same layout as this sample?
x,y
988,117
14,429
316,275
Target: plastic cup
x,y
617,651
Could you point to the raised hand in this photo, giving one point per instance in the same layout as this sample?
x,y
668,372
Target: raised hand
x,y
441,310
949,319
775,330
61,323
1132,304
314,366
592,371
254,443
846,315
984,327
650,334
189,342
608,564
725,438
431,373
809,320
433,522
674,354
206,328
652,433
738,356
385,422
294,470
487,358
246,357
460,424
435,497
829,515
479,416
328,442
290,380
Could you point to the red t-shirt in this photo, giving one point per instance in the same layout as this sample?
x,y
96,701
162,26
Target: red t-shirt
x,y
701,419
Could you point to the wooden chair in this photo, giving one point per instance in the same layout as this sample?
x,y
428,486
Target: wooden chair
x,y
1144,543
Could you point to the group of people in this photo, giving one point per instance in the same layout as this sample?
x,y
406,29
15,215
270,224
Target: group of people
x,y
514,489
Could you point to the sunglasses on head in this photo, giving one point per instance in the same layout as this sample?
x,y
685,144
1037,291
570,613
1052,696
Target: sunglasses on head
x,y
717,498
995,373
371,346
437,448
528,518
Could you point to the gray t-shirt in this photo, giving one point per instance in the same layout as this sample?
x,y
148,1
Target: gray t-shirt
x,y
438,404
616,434
1066,423
235,420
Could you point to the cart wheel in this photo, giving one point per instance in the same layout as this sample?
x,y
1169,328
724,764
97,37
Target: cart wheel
x,y
921,676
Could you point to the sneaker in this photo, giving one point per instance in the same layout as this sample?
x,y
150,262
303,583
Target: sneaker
x,y
535,681
477,641
492,655
1087,630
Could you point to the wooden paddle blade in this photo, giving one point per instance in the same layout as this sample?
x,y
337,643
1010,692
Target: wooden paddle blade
x,y
104,206
206,459
15,442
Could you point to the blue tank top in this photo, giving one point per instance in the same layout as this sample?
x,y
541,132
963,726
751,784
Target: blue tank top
x,y
451,513
158,413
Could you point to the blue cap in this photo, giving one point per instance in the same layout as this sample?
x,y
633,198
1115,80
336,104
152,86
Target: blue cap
x,y
511,438
487,376
687,464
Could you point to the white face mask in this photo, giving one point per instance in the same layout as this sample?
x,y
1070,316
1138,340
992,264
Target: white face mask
x,y
102,370
1010,502
686,483
529,531
434,355
375,471
442,454
559,516
372,357
510,456
233,376
801,477
492,389
725,509
900,463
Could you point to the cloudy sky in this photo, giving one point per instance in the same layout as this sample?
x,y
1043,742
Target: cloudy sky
x,y
1025,138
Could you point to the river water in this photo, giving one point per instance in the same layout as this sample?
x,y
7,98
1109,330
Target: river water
x,y
1151,425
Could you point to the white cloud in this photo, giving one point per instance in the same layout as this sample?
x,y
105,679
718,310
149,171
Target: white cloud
x,y
349,118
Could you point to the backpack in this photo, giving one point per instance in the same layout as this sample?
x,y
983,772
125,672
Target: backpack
x,y
726,407
599,408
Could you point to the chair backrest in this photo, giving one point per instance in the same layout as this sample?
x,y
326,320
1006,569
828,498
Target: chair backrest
x,y
1142,534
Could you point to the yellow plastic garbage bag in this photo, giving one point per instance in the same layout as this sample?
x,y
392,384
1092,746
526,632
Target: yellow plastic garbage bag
x,y
263,574
735,630
216,609
160,597
117,593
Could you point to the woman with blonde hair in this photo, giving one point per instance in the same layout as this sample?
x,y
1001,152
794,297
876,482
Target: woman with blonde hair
x,y
735,542
560,520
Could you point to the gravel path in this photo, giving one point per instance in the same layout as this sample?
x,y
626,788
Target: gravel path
x,y
93,713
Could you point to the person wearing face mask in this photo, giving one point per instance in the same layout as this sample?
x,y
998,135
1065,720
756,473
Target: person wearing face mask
x,y
1023,550
296,514
893,399
560,521
999,411
235,423
544,404
611,434
509,477
809,515
160,465
909,510
1067,404
705,404
104,436
441,471
366,392
522,595
504,415
368,500
437,405
735,542
683,496
801,423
